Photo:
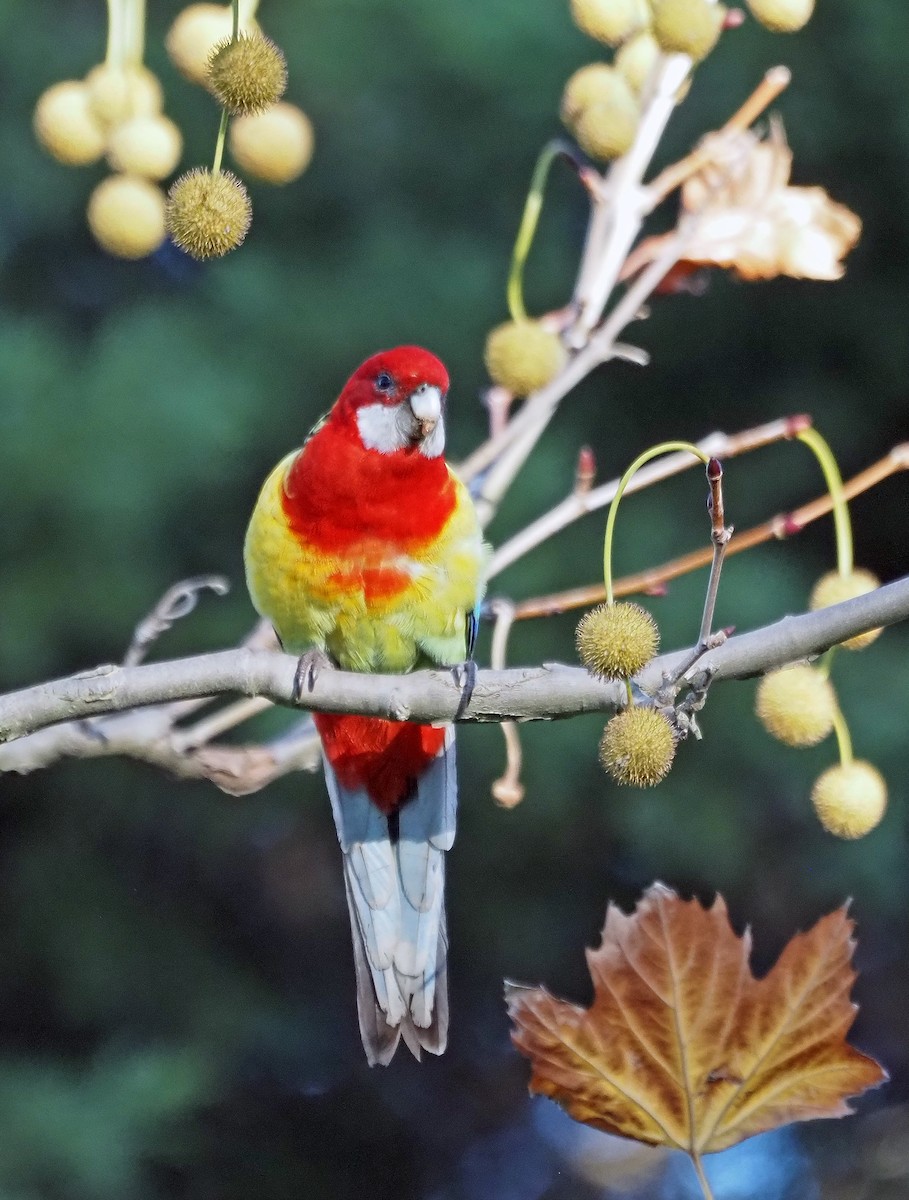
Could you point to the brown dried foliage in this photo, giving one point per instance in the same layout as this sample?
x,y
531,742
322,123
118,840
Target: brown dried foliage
x,y
682,1046
740,212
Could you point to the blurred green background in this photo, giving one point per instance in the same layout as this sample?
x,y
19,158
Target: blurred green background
x,y
177,1011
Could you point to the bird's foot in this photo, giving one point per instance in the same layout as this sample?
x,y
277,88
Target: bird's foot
x,y
465,676
309,668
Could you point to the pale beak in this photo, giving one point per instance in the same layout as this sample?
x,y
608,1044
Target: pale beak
x,y
426,405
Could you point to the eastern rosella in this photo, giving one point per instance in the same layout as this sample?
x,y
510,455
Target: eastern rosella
x,y
364,545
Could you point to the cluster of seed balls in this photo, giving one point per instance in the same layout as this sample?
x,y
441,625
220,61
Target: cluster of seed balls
x,y
616,641
601,107
798,706
116,111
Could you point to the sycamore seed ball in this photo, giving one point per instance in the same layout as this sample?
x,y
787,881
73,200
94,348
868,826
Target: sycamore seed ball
x,y
126,215
522,356
596,83
208,214
194,35
147,146
834,588
615,641
609,21
796,705
637,747
275,145
118,93
636,59
607,131
782,16
247,75
65,126
689,27
850,799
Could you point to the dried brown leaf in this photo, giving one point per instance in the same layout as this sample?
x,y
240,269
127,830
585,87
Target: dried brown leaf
x,y
739,212
682,1046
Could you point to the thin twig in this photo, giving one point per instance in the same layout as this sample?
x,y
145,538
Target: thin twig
x,y
507,791
575,506
720,535
525,429
771,86
219,722
177,602
653,580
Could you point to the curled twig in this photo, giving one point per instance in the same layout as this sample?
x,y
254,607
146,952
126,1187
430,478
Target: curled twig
x,y
177,602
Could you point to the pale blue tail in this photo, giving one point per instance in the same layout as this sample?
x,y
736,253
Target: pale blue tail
x,y
394,875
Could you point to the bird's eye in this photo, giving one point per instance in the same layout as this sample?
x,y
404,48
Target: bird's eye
x,y
384,382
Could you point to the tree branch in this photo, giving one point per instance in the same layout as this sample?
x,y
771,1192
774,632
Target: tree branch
x,y
524,694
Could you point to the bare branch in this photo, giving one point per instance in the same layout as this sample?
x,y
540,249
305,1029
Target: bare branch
x,y
531,693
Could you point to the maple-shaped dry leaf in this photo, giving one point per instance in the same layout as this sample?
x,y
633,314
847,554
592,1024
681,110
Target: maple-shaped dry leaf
x,y
682,1046
739,211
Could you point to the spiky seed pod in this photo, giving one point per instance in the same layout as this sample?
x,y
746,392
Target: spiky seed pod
x,y
208,214
195,33
126,215
523,356
118,93
834,588
637,747
275,145
65,126
247,75
689,27
796,705
609,21
636,58
850,798
615,641
148,146
782,16
607,131
596,83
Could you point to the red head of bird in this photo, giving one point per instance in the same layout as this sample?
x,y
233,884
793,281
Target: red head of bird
x,y
396,402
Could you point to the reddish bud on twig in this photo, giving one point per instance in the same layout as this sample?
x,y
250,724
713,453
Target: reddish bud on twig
x,y
798,424
734,19
791,526
585,472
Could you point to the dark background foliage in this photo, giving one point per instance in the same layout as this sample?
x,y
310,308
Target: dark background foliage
x,y
176,1000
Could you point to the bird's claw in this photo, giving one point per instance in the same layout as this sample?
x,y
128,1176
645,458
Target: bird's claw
x,y
309,668
465,676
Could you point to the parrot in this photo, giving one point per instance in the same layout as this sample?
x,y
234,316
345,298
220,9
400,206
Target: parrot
x,y
365,552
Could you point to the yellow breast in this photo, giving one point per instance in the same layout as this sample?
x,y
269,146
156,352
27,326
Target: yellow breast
x,y
377,608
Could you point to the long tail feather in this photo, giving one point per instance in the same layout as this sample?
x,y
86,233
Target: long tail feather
x,y
394,876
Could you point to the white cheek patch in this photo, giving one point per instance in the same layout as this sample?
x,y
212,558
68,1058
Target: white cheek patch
x,y
381,428
387,428
433,446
